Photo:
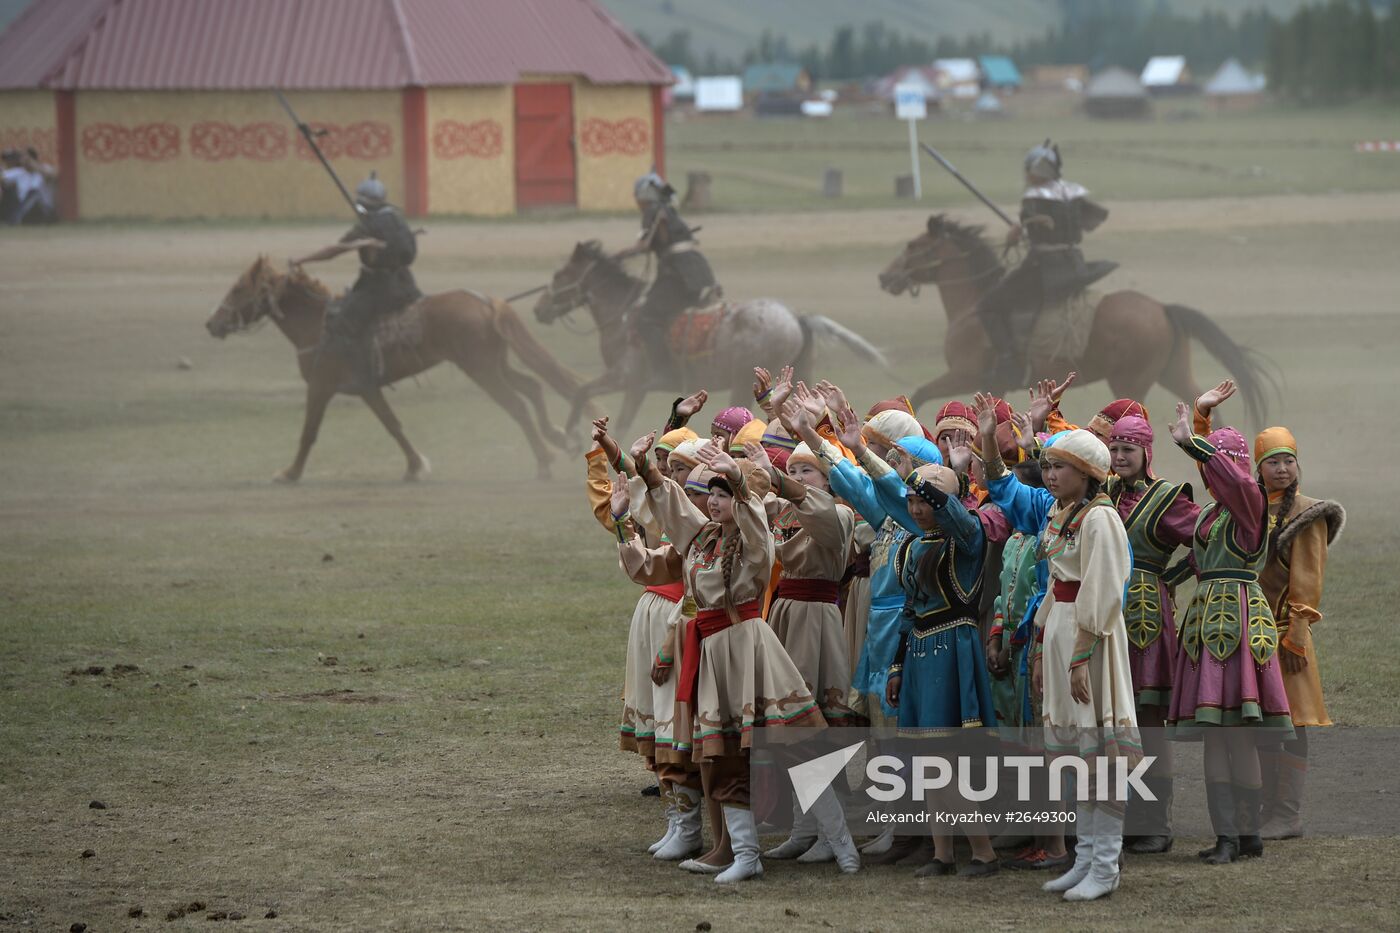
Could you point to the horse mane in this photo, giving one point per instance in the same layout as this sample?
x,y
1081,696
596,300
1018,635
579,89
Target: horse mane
x,y
605,264
971,240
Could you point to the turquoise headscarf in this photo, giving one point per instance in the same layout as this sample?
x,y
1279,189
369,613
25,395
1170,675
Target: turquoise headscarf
x,y
921,449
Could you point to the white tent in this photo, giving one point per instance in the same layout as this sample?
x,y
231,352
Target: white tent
x,y
960,77
1164,71
719,93
1232,79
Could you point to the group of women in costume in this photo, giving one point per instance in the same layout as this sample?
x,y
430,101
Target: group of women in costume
x,y
807,566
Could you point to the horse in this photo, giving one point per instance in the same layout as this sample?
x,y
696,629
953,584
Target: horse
x,y
750,333
472,331
1135,341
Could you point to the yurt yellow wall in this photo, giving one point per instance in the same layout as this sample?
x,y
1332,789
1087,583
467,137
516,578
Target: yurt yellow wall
x,y
28,118
229,154
615,143
471,150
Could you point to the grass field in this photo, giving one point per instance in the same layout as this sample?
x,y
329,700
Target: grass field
x,y
1186,152
370,705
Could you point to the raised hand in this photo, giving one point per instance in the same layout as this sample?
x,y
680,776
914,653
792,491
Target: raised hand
x,y
1181,430
1211,398
762,382
758,456
782,388
691,405
719,461
815,404
960,457
986,407
641,445
621,497
798,418
848,426
835,398
1026,440
600,429
1057,391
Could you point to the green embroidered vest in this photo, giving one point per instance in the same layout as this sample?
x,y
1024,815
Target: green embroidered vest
x,y
1229,604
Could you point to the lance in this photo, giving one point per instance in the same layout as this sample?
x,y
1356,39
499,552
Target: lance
x,y
310,136
938,157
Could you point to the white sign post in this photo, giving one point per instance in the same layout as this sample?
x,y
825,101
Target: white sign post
x,y
909,105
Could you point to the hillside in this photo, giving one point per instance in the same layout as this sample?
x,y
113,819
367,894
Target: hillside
x,y
730,27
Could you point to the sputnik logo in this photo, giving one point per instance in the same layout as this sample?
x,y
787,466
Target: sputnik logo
x,y
811,778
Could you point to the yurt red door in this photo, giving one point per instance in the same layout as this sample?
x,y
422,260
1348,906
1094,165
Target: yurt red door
x,y
544,144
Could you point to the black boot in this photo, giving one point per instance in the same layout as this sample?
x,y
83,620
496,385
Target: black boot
x,y
654,336
358,354
1221,803
1154,819
1247,817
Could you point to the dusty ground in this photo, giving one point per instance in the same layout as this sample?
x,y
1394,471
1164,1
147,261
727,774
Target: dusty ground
x,y
371,705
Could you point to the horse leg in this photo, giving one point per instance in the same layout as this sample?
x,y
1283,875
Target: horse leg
x,y
317,398
534,394
495,383
584,395
950,383
418,465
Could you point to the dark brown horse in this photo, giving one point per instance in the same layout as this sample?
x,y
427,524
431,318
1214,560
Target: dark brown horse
x,y
472,331
1136,341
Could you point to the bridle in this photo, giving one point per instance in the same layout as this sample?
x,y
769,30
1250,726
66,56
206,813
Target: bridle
x,y
935,262
246,316
578,293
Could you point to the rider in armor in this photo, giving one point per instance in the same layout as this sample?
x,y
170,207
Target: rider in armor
x,y
683,276
387,247
1055,214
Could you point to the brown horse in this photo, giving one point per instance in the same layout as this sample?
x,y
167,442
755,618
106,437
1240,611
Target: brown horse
x,y
1136,340
755,332
472,331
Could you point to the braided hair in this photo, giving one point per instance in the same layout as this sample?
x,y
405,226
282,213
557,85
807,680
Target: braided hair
x,y
1285,506
729,550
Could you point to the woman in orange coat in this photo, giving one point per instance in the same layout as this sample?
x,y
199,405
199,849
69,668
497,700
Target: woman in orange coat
x,y
1300,531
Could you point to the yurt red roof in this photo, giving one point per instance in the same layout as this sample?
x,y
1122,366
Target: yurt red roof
x,y
316,44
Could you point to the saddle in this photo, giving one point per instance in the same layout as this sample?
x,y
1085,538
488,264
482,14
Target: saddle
x,y
1061,329
692,333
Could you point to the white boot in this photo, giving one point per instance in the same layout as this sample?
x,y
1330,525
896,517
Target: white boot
x,y
1103,874
743,839
880,844
685,841
668,798
1083,851
835,839
802,838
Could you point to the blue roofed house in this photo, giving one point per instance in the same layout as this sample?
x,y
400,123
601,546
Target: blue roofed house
x,y
999,73
786,79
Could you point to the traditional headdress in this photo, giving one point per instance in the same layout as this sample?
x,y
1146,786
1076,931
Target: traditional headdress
x,y
672,439
1083,451
887,427
731,420
1134,429
699,480
1102,423
751,433
954,416
686,451
939,475
778,444
1273,441
921,450
803,453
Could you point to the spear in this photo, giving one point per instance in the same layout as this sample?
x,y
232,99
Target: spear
x,y
938,157
310,136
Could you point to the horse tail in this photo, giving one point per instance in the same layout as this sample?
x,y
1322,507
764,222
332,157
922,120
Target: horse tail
x,y
531,352
1247,367
816,325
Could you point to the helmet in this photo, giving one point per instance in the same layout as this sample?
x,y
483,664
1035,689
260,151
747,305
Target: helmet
x,y
651,188
1044,161
371,192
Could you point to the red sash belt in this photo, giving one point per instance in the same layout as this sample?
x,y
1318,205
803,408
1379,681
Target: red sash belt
x,y
1066,591
671,592
808,591
707,622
